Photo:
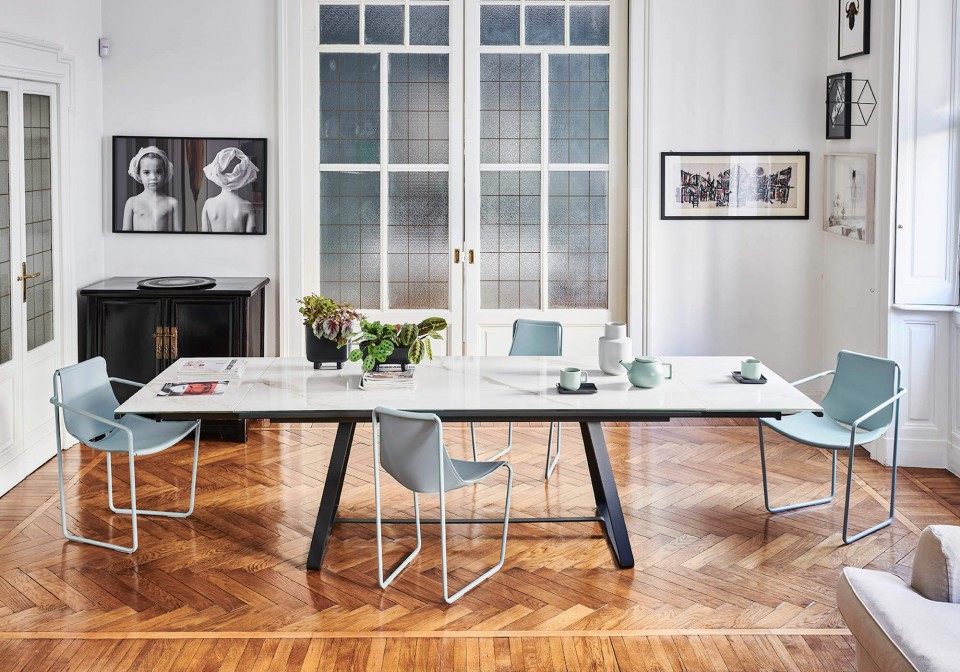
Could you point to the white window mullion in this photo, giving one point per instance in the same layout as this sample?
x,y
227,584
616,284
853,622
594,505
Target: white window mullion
x,y
544,180
384,176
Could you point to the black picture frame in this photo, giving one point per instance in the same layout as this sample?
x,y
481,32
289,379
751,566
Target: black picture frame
x,y
734,185
188,198
839,106
853,28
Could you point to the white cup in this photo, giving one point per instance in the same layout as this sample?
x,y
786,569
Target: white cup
x,y
750,369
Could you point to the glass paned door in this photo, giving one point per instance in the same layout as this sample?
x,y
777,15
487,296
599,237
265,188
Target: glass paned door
x,y
545,168
388,158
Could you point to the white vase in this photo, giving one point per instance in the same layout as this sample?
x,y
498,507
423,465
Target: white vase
x,y
614,346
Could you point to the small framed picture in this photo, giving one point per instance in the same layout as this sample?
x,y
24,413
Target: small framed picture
x,y
839,94
853,28
734,185
189,185
848,195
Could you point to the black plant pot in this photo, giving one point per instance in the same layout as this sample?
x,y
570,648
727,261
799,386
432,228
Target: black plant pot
x,y
321,351
399,356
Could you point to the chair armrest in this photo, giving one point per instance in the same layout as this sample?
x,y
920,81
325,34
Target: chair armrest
x,y
124,381
813,377
853,428
86,414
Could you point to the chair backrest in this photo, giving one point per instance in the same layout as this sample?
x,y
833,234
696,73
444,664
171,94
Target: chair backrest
x,y
537,338
411,445
86,386
860,384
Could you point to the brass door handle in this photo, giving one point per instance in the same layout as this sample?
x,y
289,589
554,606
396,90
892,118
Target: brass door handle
x,y
23,277
456,256
469,256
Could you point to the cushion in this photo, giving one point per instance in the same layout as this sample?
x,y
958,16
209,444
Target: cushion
x,y
899,629
936,567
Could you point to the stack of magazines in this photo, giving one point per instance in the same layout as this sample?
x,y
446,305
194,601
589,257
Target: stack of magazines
x,y
388,378
197,370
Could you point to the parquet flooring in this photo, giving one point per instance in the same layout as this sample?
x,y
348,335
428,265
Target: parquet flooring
x,y
719,583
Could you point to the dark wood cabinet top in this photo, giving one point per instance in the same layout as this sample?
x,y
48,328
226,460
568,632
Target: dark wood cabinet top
x,y
231,286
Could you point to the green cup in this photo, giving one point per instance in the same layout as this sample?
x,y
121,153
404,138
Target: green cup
x,y
750,369
571,378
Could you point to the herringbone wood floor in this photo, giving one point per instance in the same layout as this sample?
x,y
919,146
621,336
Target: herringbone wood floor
x,y
719,583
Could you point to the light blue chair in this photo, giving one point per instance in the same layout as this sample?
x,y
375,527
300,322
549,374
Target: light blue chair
x,y
409,446
84,393
861,404
532,338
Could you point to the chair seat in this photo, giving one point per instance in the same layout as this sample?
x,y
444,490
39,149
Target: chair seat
x,y
471,472
822,432
149,437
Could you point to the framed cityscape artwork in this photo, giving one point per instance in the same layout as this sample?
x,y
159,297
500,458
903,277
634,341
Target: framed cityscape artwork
x,y
189,185
848,195
734,185
853,28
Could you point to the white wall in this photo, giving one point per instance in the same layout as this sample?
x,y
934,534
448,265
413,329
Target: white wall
x,y
748,76
187,68
74,26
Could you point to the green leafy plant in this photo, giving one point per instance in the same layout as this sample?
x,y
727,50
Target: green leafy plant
x,y
333,321
377,341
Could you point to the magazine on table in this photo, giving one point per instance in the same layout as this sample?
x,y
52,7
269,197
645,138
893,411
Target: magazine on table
x,y
389,377
211,369
194,388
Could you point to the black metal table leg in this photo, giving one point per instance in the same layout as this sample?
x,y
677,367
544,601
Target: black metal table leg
x,y
605,492
332,487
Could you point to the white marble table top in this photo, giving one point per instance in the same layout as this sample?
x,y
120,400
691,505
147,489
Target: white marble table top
x,y
477,387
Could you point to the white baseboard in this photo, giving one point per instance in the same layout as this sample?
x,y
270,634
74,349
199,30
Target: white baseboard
x,y
953,456
916,453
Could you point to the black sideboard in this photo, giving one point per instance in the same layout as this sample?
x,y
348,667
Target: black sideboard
x,y
140,332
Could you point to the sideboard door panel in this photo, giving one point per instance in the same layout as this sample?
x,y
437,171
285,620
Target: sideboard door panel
x,y
127,331
207,327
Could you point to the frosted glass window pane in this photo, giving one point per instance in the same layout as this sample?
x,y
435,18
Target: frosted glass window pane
x,y
418,240
500,25
339,24
510,239
589,25
509,108
349,108
6,298
577,243
383,24
579,101
544,25
350,237
419,102
429,24
38,219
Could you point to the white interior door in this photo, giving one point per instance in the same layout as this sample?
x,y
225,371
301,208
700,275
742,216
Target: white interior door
x,y
29,350
545,171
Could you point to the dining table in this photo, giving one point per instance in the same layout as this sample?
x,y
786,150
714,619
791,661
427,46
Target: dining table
x,y
473,389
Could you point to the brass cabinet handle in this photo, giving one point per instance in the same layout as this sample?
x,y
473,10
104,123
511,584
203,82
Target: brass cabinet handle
x,y
23,277
158,342
173,342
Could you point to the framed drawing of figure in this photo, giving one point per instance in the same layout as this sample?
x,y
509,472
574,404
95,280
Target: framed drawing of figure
x,y
853,28
848,196
189,185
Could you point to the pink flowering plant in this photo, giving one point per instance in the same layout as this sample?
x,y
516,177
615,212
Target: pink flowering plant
x,y
337,322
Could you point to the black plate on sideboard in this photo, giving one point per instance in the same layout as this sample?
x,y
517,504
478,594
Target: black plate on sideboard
x,y
177,282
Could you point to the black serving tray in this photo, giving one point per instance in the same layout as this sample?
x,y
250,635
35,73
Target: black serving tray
x,y
585,388
740,379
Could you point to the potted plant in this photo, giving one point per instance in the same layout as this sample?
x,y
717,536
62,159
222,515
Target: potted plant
x,y
396,343
329,327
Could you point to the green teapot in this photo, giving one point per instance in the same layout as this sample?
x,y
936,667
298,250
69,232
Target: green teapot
x,y
646,371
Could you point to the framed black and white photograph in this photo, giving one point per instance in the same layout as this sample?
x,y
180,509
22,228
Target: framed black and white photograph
x,y
853,32
189,185
734,185
839,94
848,196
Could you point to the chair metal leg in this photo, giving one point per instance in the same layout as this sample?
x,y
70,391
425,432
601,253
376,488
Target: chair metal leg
x,y
450,599
893,488
506,449
549,466
406,561
791,507
167,514
63,502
